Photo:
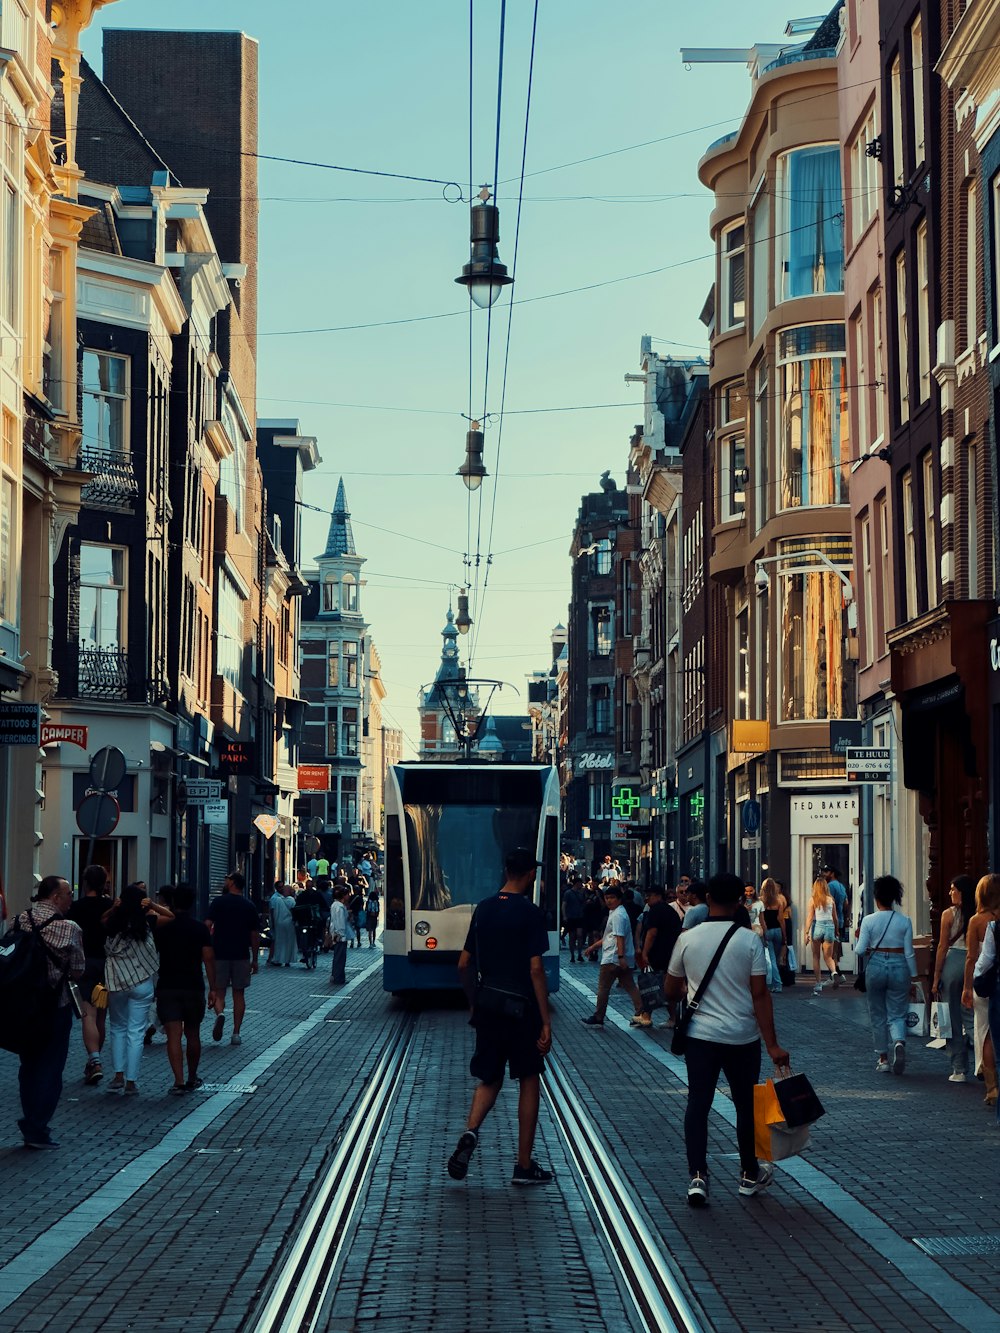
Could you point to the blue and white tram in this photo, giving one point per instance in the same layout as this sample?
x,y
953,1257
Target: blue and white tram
x,y
447,829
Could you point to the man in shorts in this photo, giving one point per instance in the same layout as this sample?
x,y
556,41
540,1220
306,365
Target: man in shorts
x,y
185,947
235,926
510,1012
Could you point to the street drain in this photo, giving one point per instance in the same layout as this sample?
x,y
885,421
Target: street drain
x,y
245,1088
942,1246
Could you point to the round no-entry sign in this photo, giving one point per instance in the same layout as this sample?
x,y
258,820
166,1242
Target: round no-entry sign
x,y
98,814
107,769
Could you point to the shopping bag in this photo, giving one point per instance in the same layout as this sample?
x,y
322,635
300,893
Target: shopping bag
x,y
798,1101
792,962
773,1139
940,1019
917,1023
651,989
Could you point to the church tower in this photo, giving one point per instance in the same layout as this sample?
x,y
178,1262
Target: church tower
x,y
437,734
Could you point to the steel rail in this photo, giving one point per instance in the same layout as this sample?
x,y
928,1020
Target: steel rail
x,y
298,1293
650,1280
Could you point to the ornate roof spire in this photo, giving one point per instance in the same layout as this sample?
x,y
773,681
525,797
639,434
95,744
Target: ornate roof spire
x,y
340,540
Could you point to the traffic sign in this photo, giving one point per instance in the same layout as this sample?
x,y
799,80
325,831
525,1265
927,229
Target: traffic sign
x,y
867,765
316,824
312,846
751,817
215,812
268,824
200,790
98,814
107,769
751,842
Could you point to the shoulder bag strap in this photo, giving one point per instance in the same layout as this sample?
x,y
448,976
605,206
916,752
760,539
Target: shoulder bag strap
x,y
710,970
882,936
38,932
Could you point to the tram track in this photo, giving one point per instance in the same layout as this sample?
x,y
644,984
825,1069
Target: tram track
x,y
296,1296
649,1279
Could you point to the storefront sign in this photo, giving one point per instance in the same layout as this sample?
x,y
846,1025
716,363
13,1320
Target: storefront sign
x,y
590,760
19,723
619,830
824,814
200,790
53,732
867,765
236,757
845,735
215,812
751,736
314,777
268,824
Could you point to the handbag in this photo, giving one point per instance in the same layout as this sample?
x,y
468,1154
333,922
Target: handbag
x,y
859,981
798,1101
651,989
985,984
678,1044
99,996
774,1139
917,1023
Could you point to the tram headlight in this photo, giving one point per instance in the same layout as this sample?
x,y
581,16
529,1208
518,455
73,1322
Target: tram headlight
x,y
431,942
422,928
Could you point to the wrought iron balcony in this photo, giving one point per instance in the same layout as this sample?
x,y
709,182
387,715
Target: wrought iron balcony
x,y
113,485
106,673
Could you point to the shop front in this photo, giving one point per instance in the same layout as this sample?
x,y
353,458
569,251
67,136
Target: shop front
x,y
824,830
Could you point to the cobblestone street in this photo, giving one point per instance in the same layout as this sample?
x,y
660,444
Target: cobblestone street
x,y
163,1213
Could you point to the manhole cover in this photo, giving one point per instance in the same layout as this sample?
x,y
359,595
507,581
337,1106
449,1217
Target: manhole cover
x,y
987,1243
228,1087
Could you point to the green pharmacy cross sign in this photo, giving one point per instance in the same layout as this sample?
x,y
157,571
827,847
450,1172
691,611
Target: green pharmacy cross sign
x,y
624,801
697,804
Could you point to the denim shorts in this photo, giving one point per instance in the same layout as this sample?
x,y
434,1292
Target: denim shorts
x,y
823,932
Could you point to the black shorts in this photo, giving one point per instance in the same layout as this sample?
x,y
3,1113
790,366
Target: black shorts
x,y
180,1006
503,1041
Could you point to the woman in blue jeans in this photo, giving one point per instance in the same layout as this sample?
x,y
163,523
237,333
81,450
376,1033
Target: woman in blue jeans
x,y
774,927
885,941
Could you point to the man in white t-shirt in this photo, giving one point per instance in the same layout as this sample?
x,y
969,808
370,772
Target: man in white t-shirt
x,y
617,961
724,1035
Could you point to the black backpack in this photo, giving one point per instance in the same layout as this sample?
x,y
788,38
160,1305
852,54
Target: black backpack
x,y
28,1002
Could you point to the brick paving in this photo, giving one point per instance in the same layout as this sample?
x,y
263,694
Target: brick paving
x,y
191,1245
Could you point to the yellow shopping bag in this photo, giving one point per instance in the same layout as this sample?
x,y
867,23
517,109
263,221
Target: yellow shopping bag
x,y
773,1139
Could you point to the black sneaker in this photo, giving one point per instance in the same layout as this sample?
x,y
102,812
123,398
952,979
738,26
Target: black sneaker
x,y
698,1191
531,1175
458,1162
899,1057
593,1021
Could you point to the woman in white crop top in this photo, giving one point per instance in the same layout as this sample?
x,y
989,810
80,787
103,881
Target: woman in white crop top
x,y
822,929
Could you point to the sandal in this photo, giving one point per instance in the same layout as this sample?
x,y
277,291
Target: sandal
x,y
178,1090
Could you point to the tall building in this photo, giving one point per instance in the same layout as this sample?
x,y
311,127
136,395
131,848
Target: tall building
x,y
334,653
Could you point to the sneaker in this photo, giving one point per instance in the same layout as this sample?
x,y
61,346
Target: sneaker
x,y
236,1039
640,1021
530,1175
837,979
148,1036
899,1057
818,990
458,1162
958,1078
698,1191
593,1022
217,1026
93,1072
882,1067
40,1143
753,1185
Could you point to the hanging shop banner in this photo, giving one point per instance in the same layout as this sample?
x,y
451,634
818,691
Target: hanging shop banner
x,y
53,732
235,757
751,737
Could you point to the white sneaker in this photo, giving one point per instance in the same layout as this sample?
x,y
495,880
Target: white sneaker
x,y
882,1067
818,990
837,979
958,1078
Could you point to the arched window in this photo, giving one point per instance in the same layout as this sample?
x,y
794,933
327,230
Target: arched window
x,y
348,594
329,593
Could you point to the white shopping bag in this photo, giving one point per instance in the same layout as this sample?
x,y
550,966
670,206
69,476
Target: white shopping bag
x,y
917,1024
940,1019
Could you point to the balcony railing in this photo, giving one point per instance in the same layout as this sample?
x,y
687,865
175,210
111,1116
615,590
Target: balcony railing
x,y
113,485
106,673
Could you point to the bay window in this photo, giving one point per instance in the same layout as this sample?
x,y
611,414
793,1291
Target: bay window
x,y
761,442
350,654
809,244
813,628
733,276
814,429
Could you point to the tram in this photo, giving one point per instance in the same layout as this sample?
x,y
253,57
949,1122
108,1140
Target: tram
x,y
447,829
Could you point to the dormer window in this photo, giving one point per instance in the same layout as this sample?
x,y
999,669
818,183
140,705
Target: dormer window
x,y
329,593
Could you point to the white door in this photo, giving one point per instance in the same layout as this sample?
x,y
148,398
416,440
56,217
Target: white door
x,y
814,853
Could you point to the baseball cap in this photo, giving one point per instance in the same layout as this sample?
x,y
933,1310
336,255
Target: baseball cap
x,y
520,861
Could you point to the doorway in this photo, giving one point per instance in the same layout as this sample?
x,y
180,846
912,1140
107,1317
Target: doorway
x,y
842,854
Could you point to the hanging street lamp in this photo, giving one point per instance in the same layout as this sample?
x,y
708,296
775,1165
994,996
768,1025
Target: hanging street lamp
x,y
484,275
472,470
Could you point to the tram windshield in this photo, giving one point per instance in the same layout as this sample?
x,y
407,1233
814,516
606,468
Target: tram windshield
x,y
456,852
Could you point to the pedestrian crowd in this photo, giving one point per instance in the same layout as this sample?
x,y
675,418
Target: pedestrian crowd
x,y
132,964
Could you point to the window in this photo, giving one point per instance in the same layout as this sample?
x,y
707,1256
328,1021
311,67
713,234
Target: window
x,y
600,710
11,254
761,657
332,665
995,257
349,594
329,593
902,353
350,653
733,307
813,628
599,796
859,375
923,316
930,531
814,429
876,388
917,77
348,804
971,260
896,110
809,253
229,636
55,388
759,232
868,628
909,549
741,666
348,731
600,617
972,518
233,473
105,394
102,597
733,476
602,557
8,545
886,608
864,178
761,448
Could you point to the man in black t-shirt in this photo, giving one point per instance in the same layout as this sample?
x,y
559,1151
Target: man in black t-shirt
x,y
89,912
235,926
185,947
662,927
502,975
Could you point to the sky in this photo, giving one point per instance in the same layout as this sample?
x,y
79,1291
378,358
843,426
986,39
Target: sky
x,y
386,88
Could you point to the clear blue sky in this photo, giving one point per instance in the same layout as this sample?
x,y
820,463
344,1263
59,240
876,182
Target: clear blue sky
x,y
387,87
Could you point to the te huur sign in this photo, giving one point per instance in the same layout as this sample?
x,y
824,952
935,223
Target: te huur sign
x,y
235,757
751,736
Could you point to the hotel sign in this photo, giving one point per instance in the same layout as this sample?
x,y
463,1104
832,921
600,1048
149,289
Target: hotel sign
x,y
590,760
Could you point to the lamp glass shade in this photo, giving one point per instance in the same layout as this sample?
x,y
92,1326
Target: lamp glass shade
x,y
472,479
485,292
